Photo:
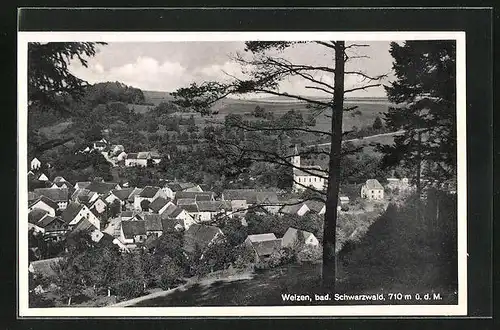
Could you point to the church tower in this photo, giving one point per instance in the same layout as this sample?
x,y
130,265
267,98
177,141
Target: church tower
x,y
296,157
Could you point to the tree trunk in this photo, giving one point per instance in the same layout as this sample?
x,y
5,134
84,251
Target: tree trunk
x,y
69,301
419,170
330,226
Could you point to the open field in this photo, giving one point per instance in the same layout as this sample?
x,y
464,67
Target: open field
x,y
53,131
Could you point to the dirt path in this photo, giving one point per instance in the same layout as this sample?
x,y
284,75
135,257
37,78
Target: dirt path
x,y
190,282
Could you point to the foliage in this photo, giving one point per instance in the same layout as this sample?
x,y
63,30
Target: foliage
x,y
425,95
50,80
377,123
400,251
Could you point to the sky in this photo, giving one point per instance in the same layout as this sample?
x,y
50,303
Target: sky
x,y
167,66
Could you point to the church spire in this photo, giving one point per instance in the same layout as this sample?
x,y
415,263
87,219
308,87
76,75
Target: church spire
x,y
296,157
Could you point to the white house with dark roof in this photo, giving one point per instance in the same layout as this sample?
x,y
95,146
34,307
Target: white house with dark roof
x,y
372,190
133,232
75,212
149,193
294,208
263,245
44,203
177,213
35,164
159,205
292,235
267,200
81,184
59,196
306,176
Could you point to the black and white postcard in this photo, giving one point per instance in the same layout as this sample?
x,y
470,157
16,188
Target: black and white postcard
x,y
242,174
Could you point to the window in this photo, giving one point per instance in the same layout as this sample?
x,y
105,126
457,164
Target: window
x,y
309,179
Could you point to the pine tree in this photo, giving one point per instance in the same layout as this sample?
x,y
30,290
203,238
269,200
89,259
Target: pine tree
x,y
424,94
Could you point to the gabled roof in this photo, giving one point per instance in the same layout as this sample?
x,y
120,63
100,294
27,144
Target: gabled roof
x,y
83,225
373,184
82,184
171,211
169,224
71,211
45,200
143,155
55,194
46,267
175,187
36,215
292,209
261,237
266,248
132,155
213,206
127,214
122,194
48,220
149,192
134,193
313,171
59,179
101,187
158,204
184,201
153,222
190,208
133,228
199,235
252,196
292,232
197,195
315,206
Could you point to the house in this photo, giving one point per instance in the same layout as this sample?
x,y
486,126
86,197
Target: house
x,y
121,156
191,209
292,235
170,224
172,188
149,193
201,237
398,184
102,188
59,179
54,228
141,158
131,197
59,196
177,213
34,217
196,195
81,184
372,190
306,176
343,200
133,232
116,149
99,206
100,145
267,200
75,212
86,226
44,203
84,196
153,224
35,164
263,245
42,177
121,194
294,208
210,210
316,207
45,268
159,205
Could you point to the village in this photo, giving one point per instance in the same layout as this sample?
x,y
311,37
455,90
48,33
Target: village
x,y
134,218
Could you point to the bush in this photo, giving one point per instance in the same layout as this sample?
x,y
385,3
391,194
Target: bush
x,y
129,288
310,254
